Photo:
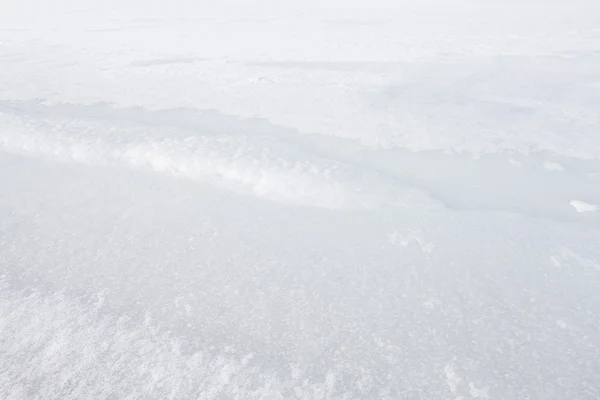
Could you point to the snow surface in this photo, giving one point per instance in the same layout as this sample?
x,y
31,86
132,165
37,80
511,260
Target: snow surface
x,y
300,199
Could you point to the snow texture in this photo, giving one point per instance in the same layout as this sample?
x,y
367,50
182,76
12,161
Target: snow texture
x,y
299,199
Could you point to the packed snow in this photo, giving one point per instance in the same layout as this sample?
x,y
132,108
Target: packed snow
x,y
300,199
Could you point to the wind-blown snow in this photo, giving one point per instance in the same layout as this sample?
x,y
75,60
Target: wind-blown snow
x,y
299,200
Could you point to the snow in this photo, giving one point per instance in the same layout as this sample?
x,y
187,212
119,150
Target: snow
x,y
300,199
552,166
582,206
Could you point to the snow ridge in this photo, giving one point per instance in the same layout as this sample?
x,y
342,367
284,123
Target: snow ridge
x,y
256,163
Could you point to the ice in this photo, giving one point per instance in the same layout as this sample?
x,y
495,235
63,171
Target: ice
x,y
299,199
